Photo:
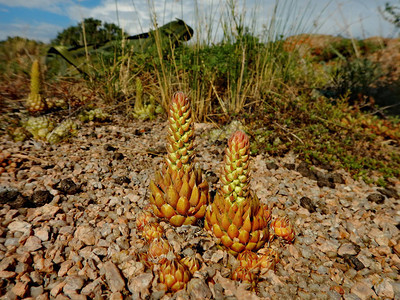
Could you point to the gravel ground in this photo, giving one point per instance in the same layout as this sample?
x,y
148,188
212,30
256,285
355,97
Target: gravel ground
x,y
68,230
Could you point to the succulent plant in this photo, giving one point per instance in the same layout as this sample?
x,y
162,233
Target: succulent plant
x,y
143,218
192,263
174,275
178,193
237,217
66,128
18,134
266,262
35,102
247,259
245,275
39,127
96,114
56,103
147,112
283,229
144,110
152,231
269,252
159,250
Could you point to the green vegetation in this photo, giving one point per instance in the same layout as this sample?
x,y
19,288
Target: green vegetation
x,y
391,13
310,101
89,31
17,55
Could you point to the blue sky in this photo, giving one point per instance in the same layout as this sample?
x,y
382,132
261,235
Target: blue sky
x,y
42,19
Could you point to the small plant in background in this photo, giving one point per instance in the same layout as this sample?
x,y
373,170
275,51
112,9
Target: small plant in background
x,y
142,110
44,128
39,127
18,134
139,95
96,114
356,77
35,102
62,131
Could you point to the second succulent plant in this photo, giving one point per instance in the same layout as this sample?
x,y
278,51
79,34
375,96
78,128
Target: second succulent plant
x,y
237,217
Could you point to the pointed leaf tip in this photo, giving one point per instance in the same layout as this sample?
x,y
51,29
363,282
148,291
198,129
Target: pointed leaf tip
x,y
239,137
179,99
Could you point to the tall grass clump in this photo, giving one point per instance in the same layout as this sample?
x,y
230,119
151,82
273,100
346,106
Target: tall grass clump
x,y
234,61
17,55
238,63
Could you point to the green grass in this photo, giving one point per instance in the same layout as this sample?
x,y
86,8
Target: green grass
x,y
318,130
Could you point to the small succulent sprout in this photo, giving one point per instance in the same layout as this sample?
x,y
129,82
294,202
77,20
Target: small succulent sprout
x,y
96,114
247,259
143,218
18,134
39,127
245,275
266,262
142,110
152,231
159,250
62,131
283,228
174,275
192,263
266,251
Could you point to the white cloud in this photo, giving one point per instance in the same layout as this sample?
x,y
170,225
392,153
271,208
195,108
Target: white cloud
x,y
36,31
55,6
135,16
358,18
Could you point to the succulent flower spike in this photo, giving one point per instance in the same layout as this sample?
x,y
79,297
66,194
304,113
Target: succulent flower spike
x,y
236,216
35,102
235,175
180,135
178,192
